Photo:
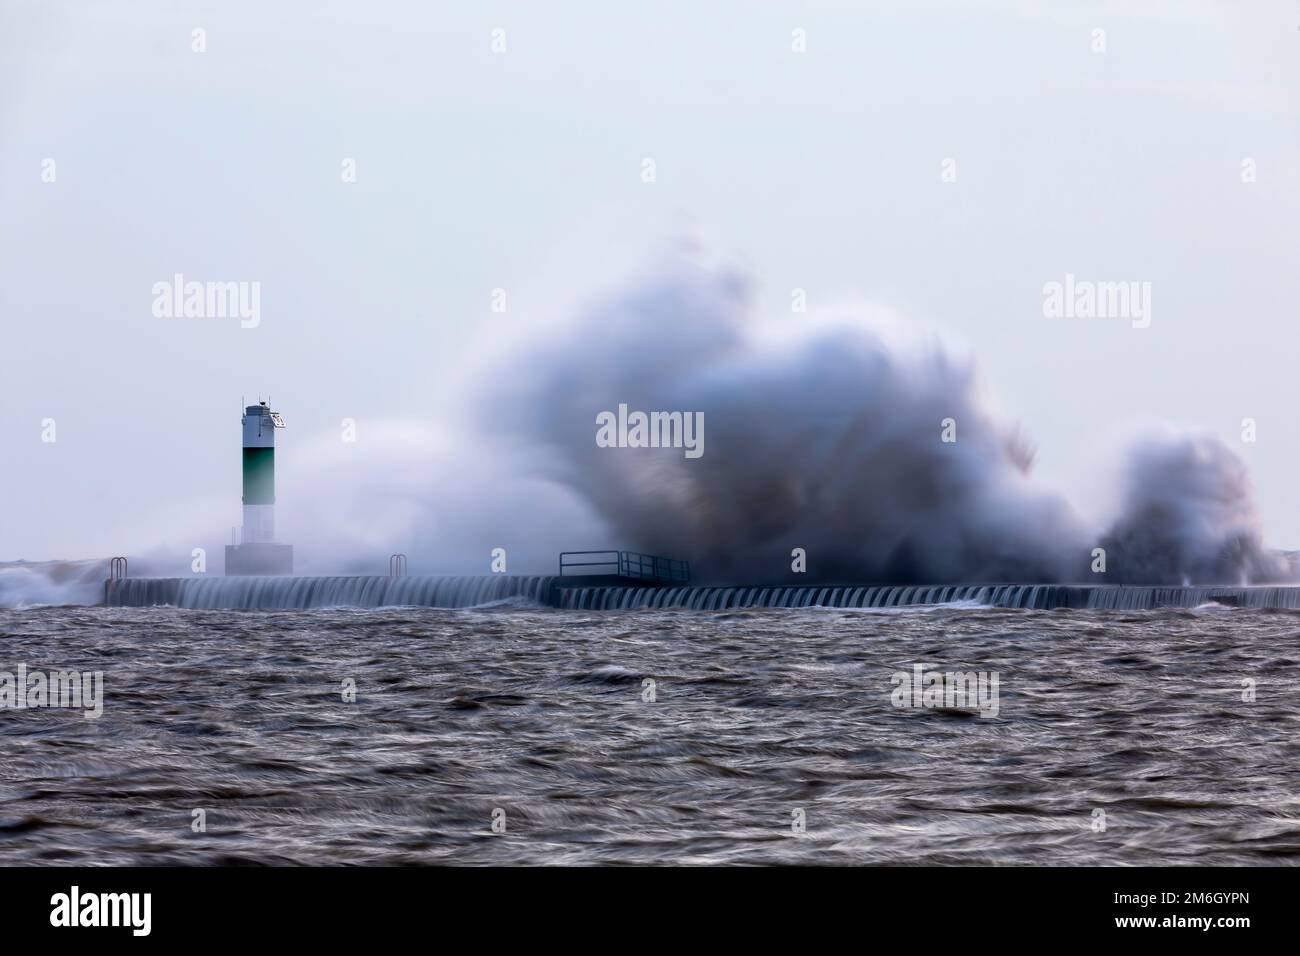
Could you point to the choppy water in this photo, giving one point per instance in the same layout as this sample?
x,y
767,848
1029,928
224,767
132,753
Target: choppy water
x,y
758,714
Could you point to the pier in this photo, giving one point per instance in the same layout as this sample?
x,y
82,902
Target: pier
x,y
601,593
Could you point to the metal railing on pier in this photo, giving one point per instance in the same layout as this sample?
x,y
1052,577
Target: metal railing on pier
x,y
625,564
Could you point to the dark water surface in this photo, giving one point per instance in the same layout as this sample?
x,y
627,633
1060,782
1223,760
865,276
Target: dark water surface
x,y
757,714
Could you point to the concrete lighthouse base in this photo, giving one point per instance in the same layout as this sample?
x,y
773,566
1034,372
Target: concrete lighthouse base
x,y
259,558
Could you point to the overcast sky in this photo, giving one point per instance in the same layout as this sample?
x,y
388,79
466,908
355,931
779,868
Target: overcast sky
x,y
522,170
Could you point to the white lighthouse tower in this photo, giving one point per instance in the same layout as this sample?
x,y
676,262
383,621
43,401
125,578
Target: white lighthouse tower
x,y
257,551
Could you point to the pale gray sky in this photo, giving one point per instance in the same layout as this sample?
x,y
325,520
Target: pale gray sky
x,y
522,170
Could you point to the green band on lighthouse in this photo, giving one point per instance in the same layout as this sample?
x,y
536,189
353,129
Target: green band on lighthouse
x,y
259,476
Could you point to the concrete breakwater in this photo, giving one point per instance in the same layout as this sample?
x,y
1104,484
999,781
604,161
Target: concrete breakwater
x,y
602,593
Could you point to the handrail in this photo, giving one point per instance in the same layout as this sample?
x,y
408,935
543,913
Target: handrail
x,y
117,568
397,565
629,564
611,562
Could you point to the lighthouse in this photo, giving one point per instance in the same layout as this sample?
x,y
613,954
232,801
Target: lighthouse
x,y
256,551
